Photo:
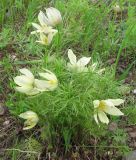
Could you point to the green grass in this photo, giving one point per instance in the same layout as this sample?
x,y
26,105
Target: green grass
x,y
66,114
71,104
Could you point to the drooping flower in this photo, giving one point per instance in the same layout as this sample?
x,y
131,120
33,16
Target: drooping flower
x,y
29,85
100,71
31,119
80,65
43,27
46,39
26,82
93,68
101,107
116,8
52,17
49,84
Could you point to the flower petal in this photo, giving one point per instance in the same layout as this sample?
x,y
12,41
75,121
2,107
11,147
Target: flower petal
x,y
42,18
72,57
82,69
50,37
43,39
48,75
41,85
33,91
71,67
42,36
95,118
41,42
100,71
31,119
96,103
37,26
116,102
93,66
54,16
28,115
51,82
112,110
34,32
23,89
56,12
46,39
50,13
83,61
23,80
29,126
27,73
103,117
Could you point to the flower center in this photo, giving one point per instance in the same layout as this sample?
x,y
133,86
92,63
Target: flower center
x,y
46,40
52,82
102,105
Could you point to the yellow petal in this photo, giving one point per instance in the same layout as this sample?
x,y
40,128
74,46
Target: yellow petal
x,y
27,73
54,16
42,18
93,66
32,92
83,61
103,117
100,71
96,103
72,57
95,118
112,110
28,115
50,37
37,26
31,119
23,80
23,89
29,126
48,75
116,102
41,85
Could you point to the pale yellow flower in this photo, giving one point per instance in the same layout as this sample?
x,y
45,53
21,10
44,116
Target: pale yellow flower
x,y
46,39
100,71
80,65
101,107
53,16
26,82
93,68
49,84
43,27
31,119
116,8
29,85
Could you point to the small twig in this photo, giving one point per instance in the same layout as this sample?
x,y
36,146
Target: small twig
x,y
15,149
95,149
24,62
102,146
